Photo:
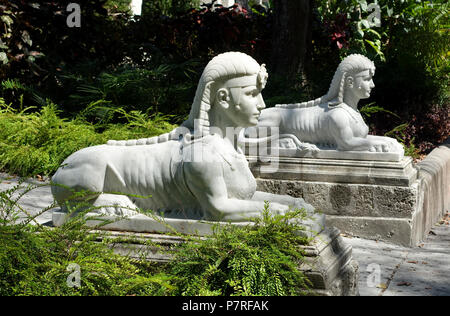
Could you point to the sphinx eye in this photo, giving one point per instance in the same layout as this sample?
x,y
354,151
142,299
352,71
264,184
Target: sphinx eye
x,y
252,93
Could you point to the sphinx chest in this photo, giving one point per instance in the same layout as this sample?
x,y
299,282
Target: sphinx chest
x,y
239,180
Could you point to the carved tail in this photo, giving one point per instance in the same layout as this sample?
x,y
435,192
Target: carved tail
x,y
243,140
173,135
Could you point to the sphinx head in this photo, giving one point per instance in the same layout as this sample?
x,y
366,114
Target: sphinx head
x,y
353,76
231,83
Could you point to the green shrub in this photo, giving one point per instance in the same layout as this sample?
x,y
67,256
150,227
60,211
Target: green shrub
x,y
168,7
34,260
164,88
261,259
37,264
37,143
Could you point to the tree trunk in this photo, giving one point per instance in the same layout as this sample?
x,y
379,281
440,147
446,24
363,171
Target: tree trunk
x,y
291,36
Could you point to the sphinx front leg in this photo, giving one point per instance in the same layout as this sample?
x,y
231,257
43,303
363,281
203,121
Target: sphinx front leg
x,y
297,203
243,210
114,205
392,144
313,223
236,210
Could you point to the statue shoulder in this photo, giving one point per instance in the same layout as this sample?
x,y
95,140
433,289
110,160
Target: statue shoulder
x,y
201,157
339,116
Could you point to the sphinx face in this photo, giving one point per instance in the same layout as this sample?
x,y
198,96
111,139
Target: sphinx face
x,y
363,84
248,103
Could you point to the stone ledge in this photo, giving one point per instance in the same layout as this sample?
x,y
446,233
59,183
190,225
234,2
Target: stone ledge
x,y
349,199
434,172
144,224
401,173
341,155
393,230
401,212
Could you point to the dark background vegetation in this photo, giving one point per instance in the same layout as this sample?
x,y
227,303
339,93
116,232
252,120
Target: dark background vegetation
x,y
116,64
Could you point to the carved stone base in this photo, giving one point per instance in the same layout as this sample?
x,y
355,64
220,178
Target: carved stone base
x,y
329,265
154,224
380,200
326,153
401,173
328,259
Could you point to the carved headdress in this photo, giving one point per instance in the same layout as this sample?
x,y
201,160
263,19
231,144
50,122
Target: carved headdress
x,y
349,66
233,69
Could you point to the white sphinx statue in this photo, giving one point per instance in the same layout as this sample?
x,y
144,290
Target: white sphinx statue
x,y
332,121
194,172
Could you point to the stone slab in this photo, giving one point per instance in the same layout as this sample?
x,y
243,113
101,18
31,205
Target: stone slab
x,y
336,154
396,202
400,173
393,230
434,172
349,199
33,202
404,271
329,265
145,224
389,213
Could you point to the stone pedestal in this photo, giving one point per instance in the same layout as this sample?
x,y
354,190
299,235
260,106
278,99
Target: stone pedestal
x,y
370,199
329,265
154,224
374,199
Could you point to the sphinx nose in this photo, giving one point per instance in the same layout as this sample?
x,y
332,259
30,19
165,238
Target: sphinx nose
x,y
261,104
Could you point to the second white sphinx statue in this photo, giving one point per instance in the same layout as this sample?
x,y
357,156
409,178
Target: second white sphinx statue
x,y
194,172
332,121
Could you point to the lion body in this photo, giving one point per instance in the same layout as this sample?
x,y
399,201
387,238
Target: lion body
x,y
314,125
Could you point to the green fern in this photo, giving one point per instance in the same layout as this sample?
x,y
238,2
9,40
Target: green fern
x,y
260,259
34,259
38,142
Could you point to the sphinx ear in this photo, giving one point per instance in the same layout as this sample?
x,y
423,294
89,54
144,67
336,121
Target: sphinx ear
x,y
223,98
350,81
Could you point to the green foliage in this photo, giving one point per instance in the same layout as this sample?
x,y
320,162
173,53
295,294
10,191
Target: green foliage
x,y
168,7
166,88
37,41
362,31
259,259
151,64
369,109
34,260
410,48
150,61
415,75
115,6
38,142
